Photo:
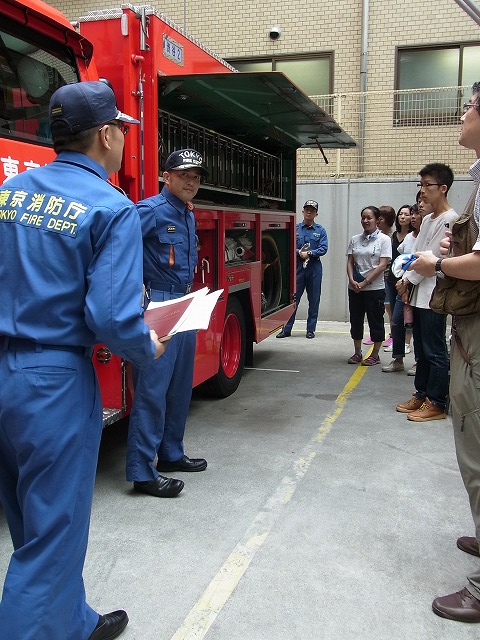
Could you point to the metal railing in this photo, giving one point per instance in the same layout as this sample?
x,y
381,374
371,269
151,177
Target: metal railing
x,y
397,132
232,165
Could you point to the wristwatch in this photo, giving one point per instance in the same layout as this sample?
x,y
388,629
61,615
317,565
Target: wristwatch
x,y
438,269
309,254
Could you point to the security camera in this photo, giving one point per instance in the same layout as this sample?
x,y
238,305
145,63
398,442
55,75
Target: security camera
x,y
274,33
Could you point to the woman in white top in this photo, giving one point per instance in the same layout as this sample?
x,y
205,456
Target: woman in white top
x,y
368,255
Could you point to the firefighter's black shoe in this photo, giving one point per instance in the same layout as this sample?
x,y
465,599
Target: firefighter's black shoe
x,y
310,334
184,464
283,334
161,487
110,625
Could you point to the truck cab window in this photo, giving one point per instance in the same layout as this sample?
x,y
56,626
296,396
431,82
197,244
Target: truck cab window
x,y
29,74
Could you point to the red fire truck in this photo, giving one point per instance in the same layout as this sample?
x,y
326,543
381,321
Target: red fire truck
x,y
248,126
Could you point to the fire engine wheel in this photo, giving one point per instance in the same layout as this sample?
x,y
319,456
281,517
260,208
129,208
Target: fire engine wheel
x,y
232,353
271,274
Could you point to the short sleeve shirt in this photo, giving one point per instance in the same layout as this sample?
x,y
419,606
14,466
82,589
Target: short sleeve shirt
x,y
367,251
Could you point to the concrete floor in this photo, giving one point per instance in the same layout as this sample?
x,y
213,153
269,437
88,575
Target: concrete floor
x,y
323,513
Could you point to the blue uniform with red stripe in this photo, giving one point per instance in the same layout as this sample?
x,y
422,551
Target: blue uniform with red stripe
x,y
163,389
71,276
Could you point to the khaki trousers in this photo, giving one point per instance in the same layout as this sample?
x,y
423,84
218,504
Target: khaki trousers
x,y
465,402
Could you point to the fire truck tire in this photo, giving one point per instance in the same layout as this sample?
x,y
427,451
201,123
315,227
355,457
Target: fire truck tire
x,y
232,353
271,274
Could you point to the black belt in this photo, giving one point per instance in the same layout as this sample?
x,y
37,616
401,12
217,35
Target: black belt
x,y
171,288
8,343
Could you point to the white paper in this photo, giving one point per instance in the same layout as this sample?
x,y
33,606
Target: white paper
x,y
197,315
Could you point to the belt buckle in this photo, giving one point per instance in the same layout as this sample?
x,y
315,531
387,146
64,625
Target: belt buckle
x,y
188,288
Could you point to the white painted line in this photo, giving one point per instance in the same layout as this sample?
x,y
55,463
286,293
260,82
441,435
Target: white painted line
x,y
278,370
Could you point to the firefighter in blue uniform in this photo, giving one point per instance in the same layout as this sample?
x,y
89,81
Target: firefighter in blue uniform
x,y
71,275
163,390
312,244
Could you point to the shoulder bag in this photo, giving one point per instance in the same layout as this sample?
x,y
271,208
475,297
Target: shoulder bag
x,y
454,295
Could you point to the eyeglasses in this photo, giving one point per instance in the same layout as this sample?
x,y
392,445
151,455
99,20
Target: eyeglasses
x,y
467,106
429,184
117,123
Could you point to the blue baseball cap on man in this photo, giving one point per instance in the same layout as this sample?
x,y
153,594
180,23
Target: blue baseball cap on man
x,y
185,159
83,105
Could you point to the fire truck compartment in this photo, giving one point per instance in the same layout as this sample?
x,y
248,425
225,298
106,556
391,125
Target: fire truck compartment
x,y
263,119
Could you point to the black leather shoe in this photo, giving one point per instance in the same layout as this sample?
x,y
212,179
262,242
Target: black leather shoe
x,y
310,334
161,487
110,625
460,606
184,464
469,545
283,334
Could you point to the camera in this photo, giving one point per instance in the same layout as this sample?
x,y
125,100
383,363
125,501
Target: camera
x,y
274,33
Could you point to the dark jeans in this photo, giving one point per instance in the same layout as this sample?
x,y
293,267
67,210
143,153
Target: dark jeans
x,y
390,294
398,329
431,378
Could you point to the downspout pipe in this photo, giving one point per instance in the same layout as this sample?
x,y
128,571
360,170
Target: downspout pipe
x,y
363,82
470,7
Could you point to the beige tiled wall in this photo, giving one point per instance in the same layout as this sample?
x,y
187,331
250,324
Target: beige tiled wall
x,y
235,28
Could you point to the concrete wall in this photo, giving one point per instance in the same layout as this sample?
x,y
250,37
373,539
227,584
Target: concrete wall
x,y
340,203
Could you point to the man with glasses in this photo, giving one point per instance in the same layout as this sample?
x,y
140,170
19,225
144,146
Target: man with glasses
x,y
464,605
431,376
312,244
71,274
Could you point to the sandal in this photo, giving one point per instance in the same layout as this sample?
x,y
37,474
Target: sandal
x,y
370,361
355,359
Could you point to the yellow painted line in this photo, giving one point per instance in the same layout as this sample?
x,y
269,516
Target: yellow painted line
x,y
216,595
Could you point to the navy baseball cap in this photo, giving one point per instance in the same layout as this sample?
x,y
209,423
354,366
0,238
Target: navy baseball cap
x,y
311,203
185,159
83,105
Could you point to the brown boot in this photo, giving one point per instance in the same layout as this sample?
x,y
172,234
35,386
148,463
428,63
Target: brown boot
x,y
427,411
411,405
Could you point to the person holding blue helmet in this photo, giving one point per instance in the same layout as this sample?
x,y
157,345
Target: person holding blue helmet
x,y
312,244
71,274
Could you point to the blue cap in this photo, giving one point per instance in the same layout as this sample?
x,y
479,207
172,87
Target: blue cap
x,y
185,159
83,105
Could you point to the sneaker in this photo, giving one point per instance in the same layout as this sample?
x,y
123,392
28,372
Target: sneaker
x,y
427,411
395,365
411,405
387,343
388,348
413,370
408,349
368,340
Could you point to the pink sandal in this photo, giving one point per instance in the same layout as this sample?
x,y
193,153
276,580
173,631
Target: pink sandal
x,y
355,359
370,361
